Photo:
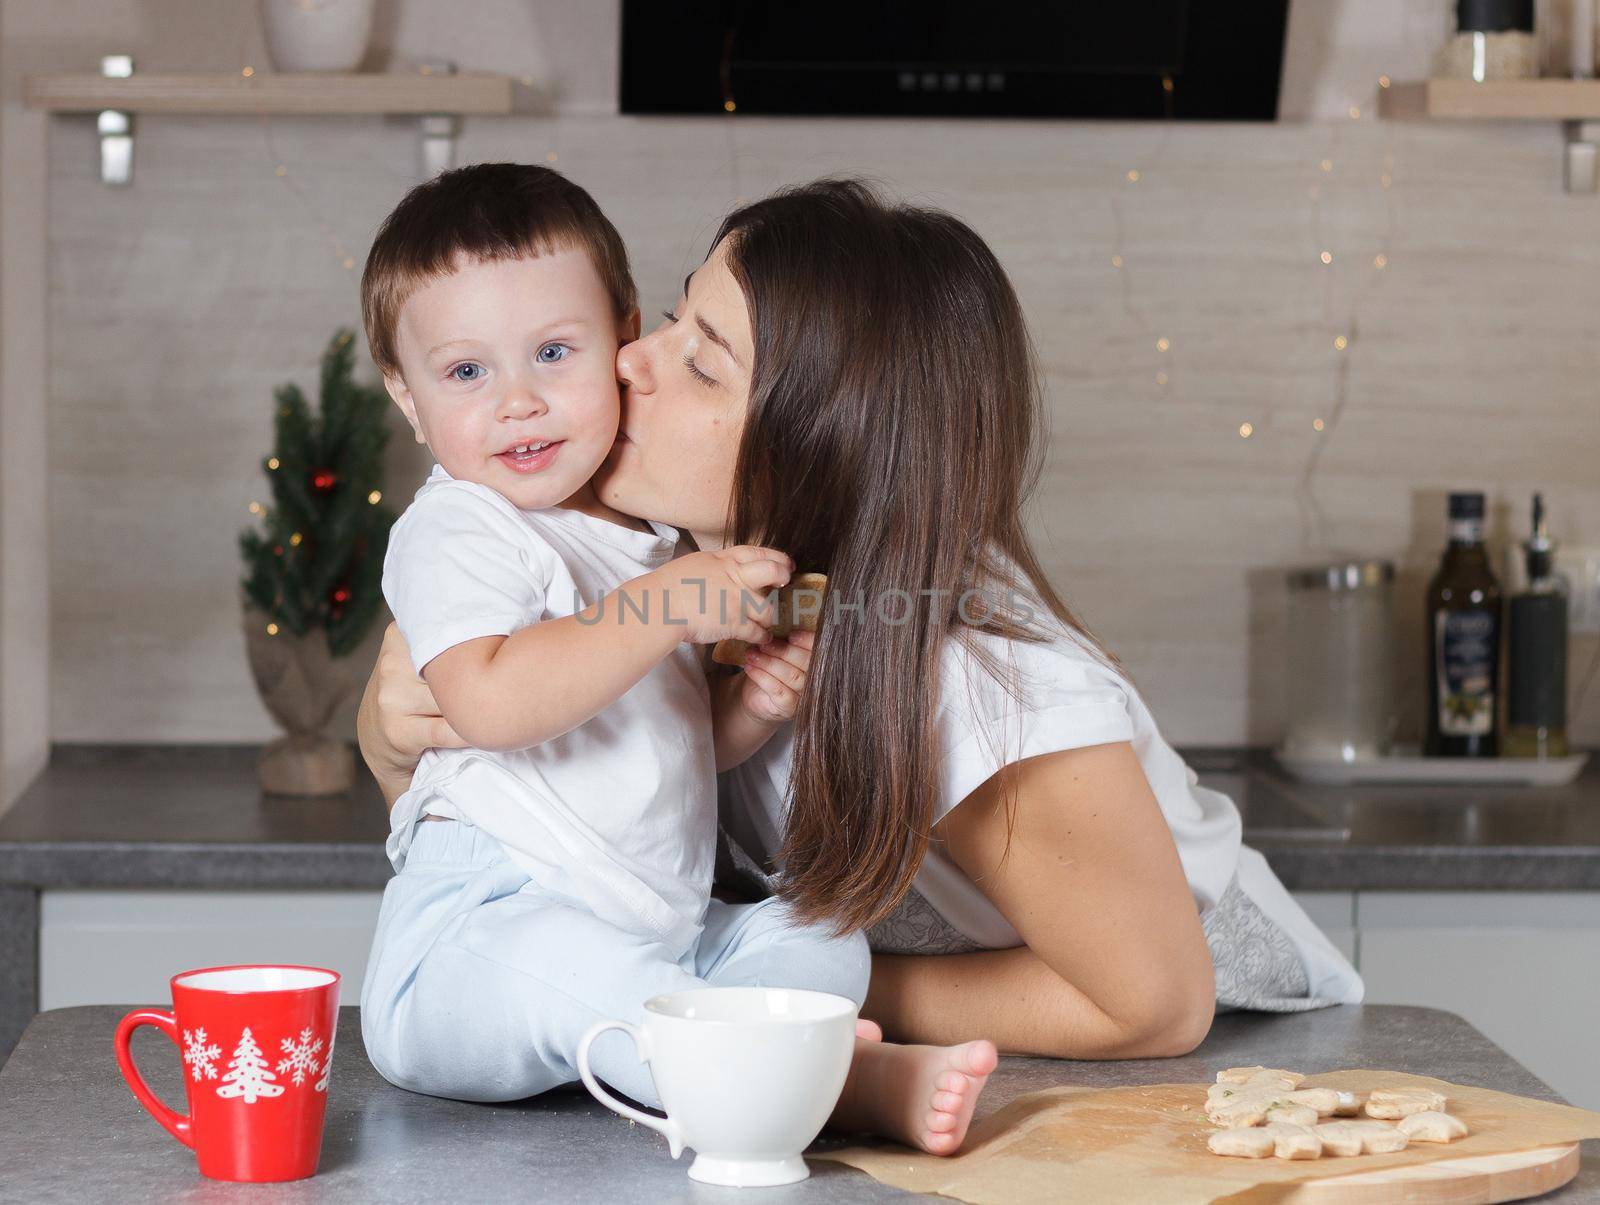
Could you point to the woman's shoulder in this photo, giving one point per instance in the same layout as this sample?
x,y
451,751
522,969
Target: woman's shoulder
x,y
1047,648
987,674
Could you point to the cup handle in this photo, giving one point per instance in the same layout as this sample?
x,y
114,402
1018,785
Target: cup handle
x,y
177,1124
661,1125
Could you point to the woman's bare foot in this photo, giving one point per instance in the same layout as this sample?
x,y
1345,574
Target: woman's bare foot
x,y
921,1095
868,1031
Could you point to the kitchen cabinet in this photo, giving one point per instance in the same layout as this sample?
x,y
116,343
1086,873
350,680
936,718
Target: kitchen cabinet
x,y
1524,967
110,947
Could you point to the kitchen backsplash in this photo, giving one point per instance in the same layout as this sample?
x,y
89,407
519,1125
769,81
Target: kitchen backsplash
x,y
1175,279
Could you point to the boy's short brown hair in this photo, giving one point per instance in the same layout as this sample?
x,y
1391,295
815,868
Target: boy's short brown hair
x,y
489,211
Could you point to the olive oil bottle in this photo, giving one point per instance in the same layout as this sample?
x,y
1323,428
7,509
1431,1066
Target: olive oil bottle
x,y
1463,628
1536,653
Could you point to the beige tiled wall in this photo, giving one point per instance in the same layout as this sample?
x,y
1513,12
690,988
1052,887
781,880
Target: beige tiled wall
x,y
1474,356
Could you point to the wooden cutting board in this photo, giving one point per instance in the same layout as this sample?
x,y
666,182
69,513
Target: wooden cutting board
x,y
1478,1181
1148,1144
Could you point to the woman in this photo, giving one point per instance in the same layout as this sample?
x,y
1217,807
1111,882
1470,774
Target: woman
x,y
968,774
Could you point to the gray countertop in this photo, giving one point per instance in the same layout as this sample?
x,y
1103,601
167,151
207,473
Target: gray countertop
x,y
194,816
71,1131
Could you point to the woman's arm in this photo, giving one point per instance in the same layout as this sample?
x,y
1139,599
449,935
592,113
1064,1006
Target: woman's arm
x,y
1116,964
398,719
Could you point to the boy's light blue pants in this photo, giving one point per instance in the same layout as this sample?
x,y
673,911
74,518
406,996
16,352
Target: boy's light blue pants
x,y
481,983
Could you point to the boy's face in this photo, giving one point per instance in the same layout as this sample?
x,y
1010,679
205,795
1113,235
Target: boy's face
x,y
502,354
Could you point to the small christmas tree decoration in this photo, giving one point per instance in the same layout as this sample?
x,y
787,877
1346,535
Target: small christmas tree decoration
x,y
313,570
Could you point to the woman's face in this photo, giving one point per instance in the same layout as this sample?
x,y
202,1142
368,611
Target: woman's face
x,y
685,394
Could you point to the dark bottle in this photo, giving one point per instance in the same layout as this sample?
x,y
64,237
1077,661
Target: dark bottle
x,y
1536,654
1463,629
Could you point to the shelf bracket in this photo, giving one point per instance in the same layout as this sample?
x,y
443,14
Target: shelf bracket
x,y
116,129
1580,164
437,132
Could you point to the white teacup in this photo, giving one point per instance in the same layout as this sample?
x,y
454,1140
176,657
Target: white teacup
x,y
747,1075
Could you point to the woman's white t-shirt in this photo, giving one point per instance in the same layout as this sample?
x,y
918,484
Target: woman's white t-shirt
x,y
1070,699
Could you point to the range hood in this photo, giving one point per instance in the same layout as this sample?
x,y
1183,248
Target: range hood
x,y
1207,60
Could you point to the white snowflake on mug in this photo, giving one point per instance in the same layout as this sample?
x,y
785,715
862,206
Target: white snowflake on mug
x,y
302,1057
249,1075
200,1056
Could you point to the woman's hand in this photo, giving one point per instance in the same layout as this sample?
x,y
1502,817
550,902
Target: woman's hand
x,y
774,676
399,718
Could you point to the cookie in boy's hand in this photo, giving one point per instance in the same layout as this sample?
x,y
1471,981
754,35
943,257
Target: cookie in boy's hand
x,y
799,608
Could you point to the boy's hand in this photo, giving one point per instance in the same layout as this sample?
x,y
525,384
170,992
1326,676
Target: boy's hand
x,y
774,675
723,595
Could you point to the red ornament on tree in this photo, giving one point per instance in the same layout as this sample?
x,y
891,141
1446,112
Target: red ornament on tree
x,y
340,596
323,480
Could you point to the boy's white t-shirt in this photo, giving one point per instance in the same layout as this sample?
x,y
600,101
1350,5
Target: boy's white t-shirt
x,y
618,814
1071,699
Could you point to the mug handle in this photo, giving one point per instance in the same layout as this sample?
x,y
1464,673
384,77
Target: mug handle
x,y
179,1125
661,1125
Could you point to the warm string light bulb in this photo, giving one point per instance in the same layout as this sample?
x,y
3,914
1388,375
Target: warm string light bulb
x,y
1326,257
1116,261
1246,430
1341,342
1162,344
1316,424
1326,165
281,171
1380,261
272,463
248,72
1133,175
374,497
272,629
294,540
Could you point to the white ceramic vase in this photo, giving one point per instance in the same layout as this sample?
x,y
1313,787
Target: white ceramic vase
x,y
317,35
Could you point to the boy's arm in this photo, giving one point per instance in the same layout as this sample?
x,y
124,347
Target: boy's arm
x,y
748,707
463,580
510,692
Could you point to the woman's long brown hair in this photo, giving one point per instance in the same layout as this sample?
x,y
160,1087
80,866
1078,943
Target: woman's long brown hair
x,y
894,433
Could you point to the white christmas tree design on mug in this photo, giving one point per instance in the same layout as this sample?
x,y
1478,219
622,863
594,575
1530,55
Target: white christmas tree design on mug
x,y
327,1067
249,1075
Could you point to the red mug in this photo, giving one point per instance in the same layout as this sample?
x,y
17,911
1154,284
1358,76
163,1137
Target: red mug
x,y
257,1047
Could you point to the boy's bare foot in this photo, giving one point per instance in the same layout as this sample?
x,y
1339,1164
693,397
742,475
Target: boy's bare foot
x,y
921,1095
868,1031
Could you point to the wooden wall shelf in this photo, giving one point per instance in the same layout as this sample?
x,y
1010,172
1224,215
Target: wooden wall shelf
x,y
308,94
1492,100
438,98
1573,102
